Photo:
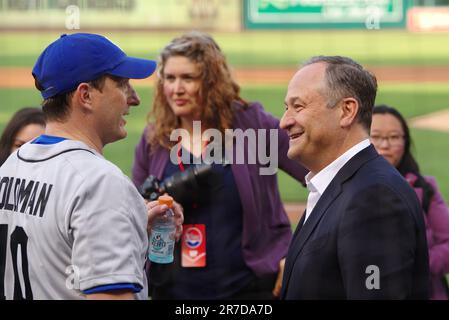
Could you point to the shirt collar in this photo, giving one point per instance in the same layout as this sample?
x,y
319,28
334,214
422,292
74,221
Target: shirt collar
x,y
322,179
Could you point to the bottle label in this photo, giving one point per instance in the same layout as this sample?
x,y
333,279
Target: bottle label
x,y
161,244
193,245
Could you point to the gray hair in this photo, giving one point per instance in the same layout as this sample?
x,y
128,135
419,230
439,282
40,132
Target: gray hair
x,y
346,78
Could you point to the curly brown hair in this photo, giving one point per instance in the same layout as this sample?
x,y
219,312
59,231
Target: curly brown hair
x,y
218,90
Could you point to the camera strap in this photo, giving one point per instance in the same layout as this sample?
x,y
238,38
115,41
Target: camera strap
x,y
193,240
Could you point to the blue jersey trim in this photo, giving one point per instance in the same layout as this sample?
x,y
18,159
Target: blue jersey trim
x,y
112,287
45,139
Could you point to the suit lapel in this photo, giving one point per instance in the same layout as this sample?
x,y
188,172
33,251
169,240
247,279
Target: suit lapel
x,y
303,232
306,230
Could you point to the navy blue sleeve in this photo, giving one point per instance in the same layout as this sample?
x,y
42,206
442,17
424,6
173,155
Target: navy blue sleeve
x,y
113,287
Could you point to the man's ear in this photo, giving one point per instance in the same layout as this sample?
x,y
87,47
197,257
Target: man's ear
x,y
84,96
349,110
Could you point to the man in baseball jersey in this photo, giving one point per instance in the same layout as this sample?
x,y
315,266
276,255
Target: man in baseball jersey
x,y
72,225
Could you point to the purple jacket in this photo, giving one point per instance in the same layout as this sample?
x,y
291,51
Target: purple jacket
x,y
266,228
437,231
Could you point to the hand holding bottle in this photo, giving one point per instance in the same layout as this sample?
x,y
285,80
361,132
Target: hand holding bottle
x,y
155,210
165,229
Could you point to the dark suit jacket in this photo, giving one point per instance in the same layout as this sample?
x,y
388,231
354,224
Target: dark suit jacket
x,y
368,216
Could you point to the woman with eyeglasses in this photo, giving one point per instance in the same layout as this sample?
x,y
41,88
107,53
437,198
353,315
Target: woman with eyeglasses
x,y
391,137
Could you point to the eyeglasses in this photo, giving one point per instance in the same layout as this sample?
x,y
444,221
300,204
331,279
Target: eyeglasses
x,y
393,140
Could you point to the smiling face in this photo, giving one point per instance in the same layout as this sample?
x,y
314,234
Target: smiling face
x,y
181,83
313,128
387,136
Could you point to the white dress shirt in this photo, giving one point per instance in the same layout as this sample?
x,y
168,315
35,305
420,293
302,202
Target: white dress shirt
x,y
317,184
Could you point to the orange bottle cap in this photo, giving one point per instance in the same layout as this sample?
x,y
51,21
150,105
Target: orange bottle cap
x,y
166,200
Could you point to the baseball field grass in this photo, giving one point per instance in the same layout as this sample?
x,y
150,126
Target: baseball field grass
x,y
270,49
273,49
431,147
263,48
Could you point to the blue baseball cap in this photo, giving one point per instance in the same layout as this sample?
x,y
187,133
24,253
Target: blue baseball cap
x,y
83,57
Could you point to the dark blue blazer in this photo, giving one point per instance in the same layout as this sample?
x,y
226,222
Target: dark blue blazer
x,y
365,238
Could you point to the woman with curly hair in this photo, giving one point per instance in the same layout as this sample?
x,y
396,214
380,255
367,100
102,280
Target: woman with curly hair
x,y
236,231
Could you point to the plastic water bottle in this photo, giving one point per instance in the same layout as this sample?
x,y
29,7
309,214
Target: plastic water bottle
x,y
162,237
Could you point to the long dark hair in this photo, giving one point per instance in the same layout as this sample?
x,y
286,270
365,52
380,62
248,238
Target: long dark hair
x,y
22,118
408,163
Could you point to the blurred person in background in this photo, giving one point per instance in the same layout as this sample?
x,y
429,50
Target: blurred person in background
x,y
239,212
25,124
390,136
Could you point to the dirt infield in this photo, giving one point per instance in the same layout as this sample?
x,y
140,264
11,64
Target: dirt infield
x,y
295,211
434,121
20,77
14,77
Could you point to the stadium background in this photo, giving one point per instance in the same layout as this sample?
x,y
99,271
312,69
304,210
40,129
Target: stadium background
x,y
405,43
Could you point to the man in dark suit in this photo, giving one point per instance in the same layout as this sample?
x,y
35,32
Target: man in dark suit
x,y
362,235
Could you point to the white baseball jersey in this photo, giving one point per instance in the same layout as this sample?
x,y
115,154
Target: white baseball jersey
x,y
71,223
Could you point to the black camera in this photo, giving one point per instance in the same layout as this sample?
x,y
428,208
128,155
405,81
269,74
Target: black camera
x,y
181,185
